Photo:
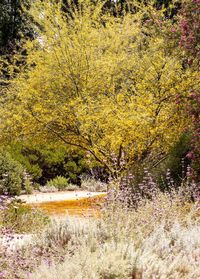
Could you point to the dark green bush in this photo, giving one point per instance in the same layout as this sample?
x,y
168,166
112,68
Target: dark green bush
x,y
28,185
176,161
11,175
46,162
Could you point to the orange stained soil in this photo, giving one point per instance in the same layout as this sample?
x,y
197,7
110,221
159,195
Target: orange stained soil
x,y
82,207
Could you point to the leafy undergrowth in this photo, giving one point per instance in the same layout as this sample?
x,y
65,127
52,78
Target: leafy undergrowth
x,y
160,238
18,218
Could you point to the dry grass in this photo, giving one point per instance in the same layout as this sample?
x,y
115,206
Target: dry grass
x,y
161,239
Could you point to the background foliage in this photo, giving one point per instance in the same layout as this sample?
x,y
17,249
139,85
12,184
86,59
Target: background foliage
x,y
114,93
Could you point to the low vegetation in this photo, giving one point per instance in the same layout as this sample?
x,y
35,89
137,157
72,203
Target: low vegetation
x,y
19,218
153,238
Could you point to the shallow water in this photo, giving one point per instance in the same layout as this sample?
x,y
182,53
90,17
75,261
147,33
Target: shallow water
x,y
81,207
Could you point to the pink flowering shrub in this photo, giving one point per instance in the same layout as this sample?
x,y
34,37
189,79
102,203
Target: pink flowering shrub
x,y
189,25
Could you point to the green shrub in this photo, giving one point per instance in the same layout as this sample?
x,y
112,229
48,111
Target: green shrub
x,y
23,219
11,175
59,182
28,188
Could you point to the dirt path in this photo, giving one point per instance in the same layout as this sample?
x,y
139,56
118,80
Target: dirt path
x,y
59,196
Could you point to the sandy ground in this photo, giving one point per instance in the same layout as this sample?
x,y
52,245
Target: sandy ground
x,y
59,196
17,241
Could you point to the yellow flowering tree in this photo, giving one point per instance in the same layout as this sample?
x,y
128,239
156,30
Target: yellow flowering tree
x,y
104,84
